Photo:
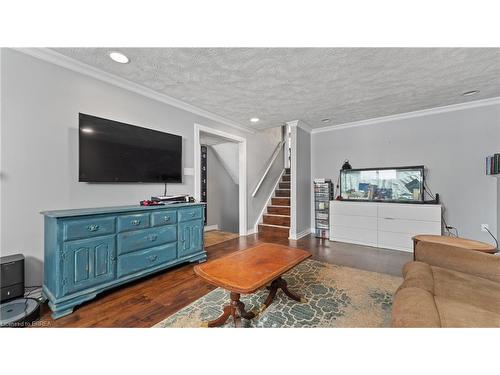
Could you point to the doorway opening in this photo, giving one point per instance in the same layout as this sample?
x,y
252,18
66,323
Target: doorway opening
x,y
220,181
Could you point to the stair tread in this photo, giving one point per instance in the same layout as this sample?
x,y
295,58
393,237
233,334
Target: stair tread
x,y
273,205
277,214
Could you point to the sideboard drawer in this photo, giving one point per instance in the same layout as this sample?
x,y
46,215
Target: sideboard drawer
x,y
163,218
141,239
84,228
144,259
133,222
190,213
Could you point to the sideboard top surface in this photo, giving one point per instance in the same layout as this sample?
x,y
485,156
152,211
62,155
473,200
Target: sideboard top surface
x,y
113,210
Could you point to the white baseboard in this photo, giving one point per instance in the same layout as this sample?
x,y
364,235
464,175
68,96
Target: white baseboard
x,y
301,234
211,227
251,231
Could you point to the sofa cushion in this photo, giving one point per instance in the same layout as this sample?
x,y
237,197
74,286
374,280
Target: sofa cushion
x,y
454,313
466,289
414,307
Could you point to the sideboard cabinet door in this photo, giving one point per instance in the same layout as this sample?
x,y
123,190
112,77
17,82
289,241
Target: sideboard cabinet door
x,y
190,237
87,263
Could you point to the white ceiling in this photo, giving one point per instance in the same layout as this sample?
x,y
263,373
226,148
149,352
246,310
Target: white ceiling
x,y
309,84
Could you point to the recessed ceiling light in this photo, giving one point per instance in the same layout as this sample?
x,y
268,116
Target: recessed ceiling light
x,y
468,93
325,120
119,57
87,130
254,119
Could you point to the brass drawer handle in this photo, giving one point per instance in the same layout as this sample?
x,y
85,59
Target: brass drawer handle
x,y
153,237
167,218
93,227
152,258
135,222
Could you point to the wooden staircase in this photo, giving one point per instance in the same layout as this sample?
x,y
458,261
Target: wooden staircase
x,y
276,222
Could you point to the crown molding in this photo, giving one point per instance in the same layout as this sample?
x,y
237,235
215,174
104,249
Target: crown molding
x,y
408,115
300,124
56,58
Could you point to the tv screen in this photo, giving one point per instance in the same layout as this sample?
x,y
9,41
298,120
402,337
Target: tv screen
x,y
112,151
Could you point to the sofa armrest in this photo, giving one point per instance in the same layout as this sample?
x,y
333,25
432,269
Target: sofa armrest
x,y
414,307
459,259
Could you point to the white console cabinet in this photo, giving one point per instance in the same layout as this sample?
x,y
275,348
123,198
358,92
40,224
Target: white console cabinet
x,y
387,225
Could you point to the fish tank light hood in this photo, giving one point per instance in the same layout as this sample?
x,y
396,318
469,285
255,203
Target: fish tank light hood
x,y
388,184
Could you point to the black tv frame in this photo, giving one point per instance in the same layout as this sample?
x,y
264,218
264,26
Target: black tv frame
x,y
180,181
422,189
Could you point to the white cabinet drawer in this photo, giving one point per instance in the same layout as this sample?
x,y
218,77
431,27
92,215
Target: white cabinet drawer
x,y
408,226
419,212
354,208
354,235
396,241
366,222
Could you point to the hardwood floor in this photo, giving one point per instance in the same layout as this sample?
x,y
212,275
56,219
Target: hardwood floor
x,y
214,237
147,301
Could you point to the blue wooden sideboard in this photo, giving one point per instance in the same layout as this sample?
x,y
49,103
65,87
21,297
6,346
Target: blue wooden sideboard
x,y
91,250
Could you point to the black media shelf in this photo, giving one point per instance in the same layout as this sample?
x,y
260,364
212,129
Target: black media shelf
x,y
323,194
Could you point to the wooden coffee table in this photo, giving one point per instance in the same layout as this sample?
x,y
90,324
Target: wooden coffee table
x,y
246,271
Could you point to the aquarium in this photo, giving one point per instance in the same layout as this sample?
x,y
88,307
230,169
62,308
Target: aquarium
x,y
405,184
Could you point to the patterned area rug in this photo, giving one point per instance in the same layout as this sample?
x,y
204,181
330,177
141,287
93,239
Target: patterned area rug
x,y
336,297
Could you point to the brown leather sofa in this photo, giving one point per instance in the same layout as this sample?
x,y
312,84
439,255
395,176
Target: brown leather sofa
x,y
448,286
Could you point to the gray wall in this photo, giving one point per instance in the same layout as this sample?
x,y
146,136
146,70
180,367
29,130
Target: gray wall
x,y
302,177
39,149
451,145
222,195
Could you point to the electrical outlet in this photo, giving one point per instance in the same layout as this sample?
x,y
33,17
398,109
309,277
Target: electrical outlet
x,y
484,227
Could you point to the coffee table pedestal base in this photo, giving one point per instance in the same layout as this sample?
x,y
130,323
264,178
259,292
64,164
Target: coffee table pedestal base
x,y
236,308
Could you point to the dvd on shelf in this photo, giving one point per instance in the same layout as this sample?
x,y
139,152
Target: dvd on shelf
x,y
493,164
323,194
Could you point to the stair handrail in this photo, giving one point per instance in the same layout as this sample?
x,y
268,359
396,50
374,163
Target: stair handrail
x,y
273,159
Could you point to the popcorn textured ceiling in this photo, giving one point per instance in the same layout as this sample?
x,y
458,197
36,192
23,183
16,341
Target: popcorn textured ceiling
x,y
310,84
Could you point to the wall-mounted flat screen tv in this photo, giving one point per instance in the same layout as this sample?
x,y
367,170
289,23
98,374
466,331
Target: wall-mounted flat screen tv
x,y
111,151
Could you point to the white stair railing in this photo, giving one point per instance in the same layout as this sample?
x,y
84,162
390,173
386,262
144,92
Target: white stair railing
x,y
273,159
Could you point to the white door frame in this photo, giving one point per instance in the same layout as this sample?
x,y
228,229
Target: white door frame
x,y
242,170
293,180
288,145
